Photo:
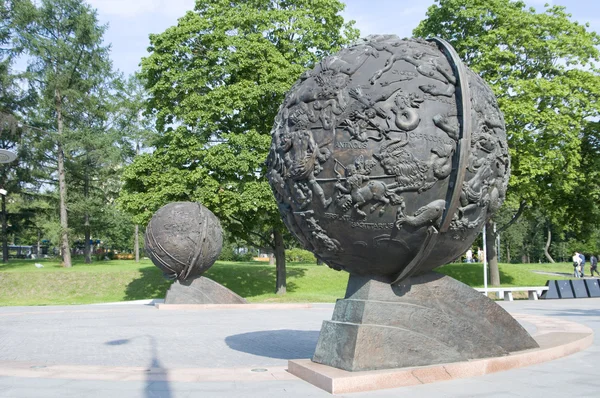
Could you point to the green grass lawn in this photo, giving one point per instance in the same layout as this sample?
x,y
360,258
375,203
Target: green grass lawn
x,y
21,283
510,274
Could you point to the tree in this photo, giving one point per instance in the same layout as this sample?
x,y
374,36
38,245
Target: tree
x,y
9,138
136,128
541,66
14,175
10,94
216,80
96,156
67,62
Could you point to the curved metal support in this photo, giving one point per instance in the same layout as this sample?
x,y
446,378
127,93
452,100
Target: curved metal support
x,y
461,156
459,160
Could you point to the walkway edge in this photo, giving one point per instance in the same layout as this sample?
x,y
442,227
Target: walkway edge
x,y
275,306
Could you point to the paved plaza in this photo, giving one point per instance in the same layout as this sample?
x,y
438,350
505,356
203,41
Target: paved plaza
x,y
136,350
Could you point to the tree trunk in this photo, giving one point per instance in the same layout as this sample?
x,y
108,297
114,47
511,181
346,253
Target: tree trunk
x,y
87,249
136,243
4,231
507,253
62,185
546,252
279,262
271,259
492,258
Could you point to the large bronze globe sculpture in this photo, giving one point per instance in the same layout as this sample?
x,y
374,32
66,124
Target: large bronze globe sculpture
x,y
388,157
386,161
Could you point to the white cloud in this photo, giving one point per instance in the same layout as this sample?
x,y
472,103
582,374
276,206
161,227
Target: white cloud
x,y
398,17
135,8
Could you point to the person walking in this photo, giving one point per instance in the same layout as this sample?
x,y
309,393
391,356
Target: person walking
x,y
582,264
469,256
594,265
576,265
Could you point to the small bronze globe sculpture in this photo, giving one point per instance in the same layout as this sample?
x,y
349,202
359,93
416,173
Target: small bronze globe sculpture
x,y
388,157
183,239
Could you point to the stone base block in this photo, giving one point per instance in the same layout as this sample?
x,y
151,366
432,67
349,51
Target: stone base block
x,y
424,320
201,290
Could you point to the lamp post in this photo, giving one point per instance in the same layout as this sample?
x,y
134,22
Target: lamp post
x,y
6,156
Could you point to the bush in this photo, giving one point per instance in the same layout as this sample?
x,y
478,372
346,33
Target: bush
x,y
299,255
227,253
243,257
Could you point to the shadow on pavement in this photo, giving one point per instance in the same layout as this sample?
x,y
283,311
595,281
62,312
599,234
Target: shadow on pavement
x,y
279,344
153,389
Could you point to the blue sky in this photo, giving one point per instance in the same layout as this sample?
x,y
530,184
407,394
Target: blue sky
x,y
131,21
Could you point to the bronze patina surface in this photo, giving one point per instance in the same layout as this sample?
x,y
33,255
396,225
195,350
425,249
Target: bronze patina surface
x,y
388,157
184,239
386,161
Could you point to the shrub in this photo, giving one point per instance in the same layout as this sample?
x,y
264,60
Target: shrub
x,y
227,253
299,255
243,257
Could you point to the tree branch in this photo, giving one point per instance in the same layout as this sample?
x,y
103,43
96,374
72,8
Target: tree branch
x,y
522,208
260,237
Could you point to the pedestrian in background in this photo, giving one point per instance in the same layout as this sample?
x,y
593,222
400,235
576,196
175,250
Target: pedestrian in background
x,y
594,265
576,265
582,264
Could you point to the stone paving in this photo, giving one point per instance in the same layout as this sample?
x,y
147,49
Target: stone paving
x,y
126,350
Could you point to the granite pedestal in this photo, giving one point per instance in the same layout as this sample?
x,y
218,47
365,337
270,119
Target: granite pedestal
x,y
424,320
201,290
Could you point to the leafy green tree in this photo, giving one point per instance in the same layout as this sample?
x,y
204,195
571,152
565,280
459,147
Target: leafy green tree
x,y
541,66
67,63
94,163
28,214
137,129
216,80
